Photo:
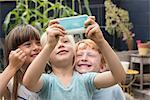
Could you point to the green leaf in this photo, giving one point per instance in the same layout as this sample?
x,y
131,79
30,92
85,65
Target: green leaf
x,y
86,3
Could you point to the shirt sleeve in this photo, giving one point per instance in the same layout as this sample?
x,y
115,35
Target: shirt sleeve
x,y
46,82
89,81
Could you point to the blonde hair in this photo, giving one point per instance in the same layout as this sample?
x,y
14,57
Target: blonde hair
x,y
43,41
71,38
89,43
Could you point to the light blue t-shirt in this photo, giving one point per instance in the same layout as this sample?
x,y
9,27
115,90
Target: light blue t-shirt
x,y
81,87
111,93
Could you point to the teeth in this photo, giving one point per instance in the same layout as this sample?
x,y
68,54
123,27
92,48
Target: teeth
x,y
85,65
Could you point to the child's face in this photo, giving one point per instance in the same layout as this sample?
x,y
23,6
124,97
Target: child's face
x,y
63,51
87,60
31,48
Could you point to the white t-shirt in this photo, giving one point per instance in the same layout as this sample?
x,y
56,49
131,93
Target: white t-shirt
x,y
23,93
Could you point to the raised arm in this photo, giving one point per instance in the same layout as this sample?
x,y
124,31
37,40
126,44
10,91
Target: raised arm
x,y
117,73
16,61
32,78
5,78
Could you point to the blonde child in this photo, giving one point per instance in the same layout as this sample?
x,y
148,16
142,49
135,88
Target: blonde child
x,y
65,83
90,59
22,45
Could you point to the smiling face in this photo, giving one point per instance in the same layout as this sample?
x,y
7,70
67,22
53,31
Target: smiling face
x,y
63,51
25,37
31,48
88,59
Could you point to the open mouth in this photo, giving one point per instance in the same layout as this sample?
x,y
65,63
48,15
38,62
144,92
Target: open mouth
x,y
34,55
84,65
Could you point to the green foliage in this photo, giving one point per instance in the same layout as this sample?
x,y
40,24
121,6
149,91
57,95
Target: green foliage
x,y
40,12
117,21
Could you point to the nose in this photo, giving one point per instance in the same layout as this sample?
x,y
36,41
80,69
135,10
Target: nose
x,y
36,46
60,45
84,57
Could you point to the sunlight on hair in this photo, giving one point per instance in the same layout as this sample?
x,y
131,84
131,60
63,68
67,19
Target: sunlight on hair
x,y
87,43
43,39
71,38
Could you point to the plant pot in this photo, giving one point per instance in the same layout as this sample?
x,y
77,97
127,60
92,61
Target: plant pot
x,y
143,49
130,44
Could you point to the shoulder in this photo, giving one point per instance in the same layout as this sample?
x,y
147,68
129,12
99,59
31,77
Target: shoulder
x,y
46,77
22,91
116,88
85,76
27,94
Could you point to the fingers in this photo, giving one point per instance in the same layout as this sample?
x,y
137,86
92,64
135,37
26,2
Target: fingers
x,y
15,51
88,29
89,21
54,25
53,31
17,54
92,17
55,21
91,32
21,55
17,58
57,26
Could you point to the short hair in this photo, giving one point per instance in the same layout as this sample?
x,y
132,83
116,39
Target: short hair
x,y
43,39
89,43
71,39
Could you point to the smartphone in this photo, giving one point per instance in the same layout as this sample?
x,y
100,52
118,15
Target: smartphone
x,y
73,25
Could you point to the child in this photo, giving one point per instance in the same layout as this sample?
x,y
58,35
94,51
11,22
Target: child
x,y
22,46
90,59
65,83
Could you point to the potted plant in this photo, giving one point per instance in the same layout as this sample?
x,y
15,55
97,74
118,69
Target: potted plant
x,y
143,48
117,22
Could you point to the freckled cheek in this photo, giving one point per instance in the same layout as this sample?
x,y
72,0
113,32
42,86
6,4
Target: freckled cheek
x,y
40,47
97,61
77,60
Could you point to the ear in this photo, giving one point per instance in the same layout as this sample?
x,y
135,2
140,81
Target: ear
x,y
102,68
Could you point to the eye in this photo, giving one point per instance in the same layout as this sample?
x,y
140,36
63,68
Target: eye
x,y
65,41
27,44
38,43
91,55
79,54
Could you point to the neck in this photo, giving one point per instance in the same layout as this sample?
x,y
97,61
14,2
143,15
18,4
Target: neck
x,y
63,71
64,75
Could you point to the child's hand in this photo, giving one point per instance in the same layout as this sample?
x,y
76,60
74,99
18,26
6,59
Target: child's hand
x,y
93,30
54,30
16,59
